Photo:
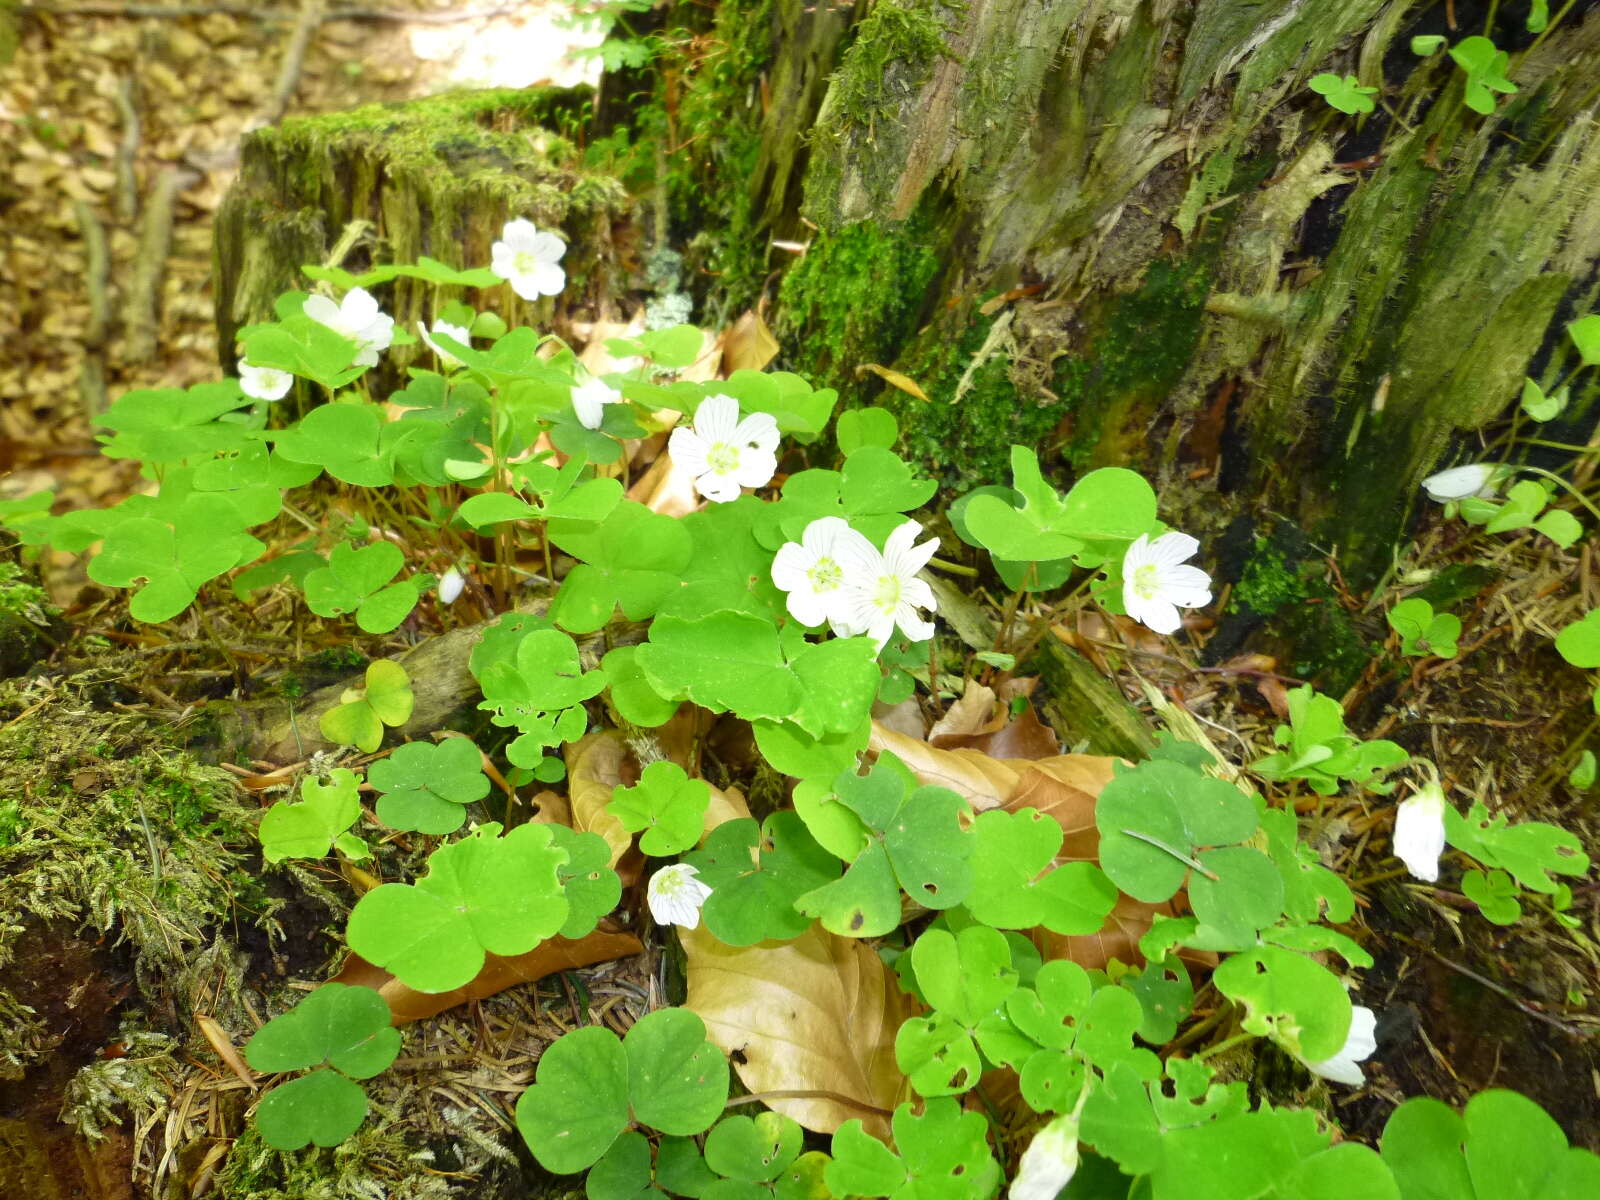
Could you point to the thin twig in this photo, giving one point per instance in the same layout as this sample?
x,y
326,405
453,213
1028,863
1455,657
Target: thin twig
x,y
306,25
127,184
97,275
141,306
1506,993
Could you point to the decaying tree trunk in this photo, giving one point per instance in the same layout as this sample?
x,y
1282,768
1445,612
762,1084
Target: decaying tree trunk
x,y
391,183
1119,231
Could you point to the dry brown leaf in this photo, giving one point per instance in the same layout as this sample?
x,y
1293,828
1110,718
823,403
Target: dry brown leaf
x,y
498,974
973,713
550,808
905,717
594,771
1023,737
748,344
816,1014
984,781
894,379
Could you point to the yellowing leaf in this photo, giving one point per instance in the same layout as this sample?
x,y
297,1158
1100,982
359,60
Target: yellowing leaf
x,y
815,1014
894,379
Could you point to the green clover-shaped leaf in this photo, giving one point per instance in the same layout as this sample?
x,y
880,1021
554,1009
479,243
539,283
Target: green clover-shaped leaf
x,y
482,895
309,828
756,874
347,1028
322,1108
755,1150
916,843
631,560
592,888
1013,887
353,581
666,805
359,719
1152,818
1290,998
942,1153
858,428
1344,93
425,787
726,661
590,1084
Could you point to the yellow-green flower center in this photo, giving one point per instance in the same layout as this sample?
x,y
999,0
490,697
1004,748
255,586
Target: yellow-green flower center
x,y
886,594
1146,582
525,263
826,575
722,458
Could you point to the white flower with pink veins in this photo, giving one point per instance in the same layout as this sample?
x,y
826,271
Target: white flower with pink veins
x,y
1155,583
882,590
812,572
675,896
723,453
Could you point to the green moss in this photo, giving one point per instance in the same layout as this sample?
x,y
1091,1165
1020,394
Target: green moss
x,y
435,177
908,35
1288,589
1147,340
1268,583
855,297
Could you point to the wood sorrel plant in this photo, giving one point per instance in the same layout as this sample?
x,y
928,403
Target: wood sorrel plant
x,y
794,610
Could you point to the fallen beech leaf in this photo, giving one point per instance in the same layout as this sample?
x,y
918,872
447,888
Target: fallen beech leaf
x,y
905,717
1021,738
748,344
594,771
550,808
894,379
973,713
498,974
816,1014
984,781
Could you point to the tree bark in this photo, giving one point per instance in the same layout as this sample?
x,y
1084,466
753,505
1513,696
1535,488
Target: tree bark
x,y
1126,231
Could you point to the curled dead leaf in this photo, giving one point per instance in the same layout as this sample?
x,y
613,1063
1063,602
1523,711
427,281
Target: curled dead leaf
x,y
555,954
818,1014
223,1045
894,379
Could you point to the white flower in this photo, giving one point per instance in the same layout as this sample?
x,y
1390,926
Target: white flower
x,y
1155,583
264,383
1049,1162
882,590
675,896
1474,479
723,453
457,333
812,571
1360,1042
450,585
1419,832
589,400
529,258
358,318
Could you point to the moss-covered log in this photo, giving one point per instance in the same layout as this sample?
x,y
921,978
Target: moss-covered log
x,y
436,177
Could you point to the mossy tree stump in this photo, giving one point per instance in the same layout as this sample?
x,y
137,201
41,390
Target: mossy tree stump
x,y
436,177
1126,231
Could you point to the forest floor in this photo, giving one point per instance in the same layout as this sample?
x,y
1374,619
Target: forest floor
x,y
119,973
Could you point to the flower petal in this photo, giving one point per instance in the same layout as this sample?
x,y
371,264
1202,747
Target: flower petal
x,y
688,450
790,564
717,418
1173,548
722,488
756,467
758,429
